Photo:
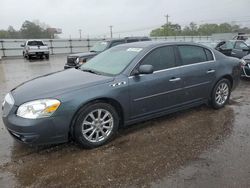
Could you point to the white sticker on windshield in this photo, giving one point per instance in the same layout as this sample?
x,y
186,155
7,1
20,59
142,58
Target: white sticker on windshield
x,y
134,49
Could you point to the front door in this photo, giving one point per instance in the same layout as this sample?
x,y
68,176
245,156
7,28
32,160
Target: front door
x,y
240,49
158,91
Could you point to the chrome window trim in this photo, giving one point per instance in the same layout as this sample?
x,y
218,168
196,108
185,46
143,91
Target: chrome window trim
x,y
182,66
173,45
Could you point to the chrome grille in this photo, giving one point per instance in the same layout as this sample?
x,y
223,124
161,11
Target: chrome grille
x,y
71,60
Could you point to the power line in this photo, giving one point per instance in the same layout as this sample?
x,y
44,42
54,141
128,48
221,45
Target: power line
x,y
166,27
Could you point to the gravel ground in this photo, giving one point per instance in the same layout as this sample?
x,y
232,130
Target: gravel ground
x,y
200,147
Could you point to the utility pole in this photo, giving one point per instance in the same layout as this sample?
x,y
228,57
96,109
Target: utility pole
x,y
111,31
80,32
166,28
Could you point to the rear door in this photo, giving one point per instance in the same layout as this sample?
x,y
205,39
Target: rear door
x,y
198,72
158,91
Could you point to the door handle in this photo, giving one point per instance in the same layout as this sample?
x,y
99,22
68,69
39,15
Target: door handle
x,y
233,53
210,71
174,79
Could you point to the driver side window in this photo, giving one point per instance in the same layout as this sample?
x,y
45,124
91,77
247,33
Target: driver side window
x,y
160,58
241,46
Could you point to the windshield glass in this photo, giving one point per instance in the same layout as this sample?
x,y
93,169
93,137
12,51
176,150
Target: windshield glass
x,y
112,61
99,47
35,43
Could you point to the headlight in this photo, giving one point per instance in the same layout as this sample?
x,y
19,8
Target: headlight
x,y
38,108
77,60
243,62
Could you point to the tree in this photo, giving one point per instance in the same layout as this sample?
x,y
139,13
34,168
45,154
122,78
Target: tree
x,y
167,30
193,29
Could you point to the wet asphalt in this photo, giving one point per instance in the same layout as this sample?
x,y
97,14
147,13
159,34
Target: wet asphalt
x,y
200,147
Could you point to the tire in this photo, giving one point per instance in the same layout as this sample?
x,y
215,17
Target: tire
x,y
28,57
95,125
47,56
221,93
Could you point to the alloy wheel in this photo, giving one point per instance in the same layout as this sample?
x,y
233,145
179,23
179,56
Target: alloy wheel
x,y
222,93
97,125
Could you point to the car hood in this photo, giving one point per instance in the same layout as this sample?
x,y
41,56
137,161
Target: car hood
x,y
54,84
83,54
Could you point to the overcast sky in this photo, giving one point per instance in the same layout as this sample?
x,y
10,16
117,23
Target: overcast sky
x,y
129,17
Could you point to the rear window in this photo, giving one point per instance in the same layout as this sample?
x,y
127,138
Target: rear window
x,y
209,54
35,43
192,54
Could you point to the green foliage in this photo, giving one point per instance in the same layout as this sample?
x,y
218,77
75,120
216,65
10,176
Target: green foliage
x,y
28,30
193,29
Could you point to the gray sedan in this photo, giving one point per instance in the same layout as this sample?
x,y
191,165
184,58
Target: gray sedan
x,y
121,86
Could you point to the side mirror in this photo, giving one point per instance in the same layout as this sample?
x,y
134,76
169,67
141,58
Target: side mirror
x,y
22,45
145,69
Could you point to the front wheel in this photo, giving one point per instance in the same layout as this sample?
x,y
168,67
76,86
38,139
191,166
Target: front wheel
x,y
95,125
221,93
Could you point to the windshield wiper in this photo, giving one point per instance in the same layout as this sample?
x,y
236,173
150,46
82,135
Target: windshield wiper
x,y
92,51
91,71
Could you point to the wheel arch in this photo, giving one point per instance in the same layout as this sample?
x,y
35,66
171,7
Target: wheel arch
x,y
228,77
112,102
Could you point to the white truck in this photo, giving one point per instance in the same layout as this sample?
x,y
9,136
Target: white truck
x,y
35,48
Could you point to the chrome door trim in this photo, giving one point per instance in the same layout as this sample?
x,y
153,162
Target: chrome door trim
x,y
171,91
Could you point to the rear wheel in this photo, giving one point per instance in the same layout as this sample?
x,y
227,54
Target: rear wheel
x,y
95,125
47,56
221,93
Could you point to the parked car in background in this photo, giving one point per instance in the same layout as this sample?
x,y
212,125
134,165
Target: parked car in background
x,y
245,68
121,86
76,60
210,44
234,48
35,48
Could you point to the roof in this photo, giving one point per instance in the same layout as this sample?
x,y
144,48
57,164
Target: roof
x,y
148,44
127,38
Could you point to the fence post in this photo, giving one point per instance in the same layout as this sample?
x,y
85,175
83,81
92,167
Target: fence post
x,y
70,45
2,48
88,45
51,46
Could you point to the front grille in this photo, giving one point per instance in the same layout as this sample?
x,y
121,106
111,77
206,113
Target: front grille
x,y
247,61
71,60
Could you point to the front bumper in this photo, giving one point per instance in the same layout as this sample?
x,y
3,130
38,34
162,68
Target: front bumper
x,y
36,53
245,71
68,66
38,131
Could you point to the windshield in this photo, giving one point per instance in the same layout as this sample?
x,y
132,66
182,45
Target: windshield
x,y
112,61
35,43
99,47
